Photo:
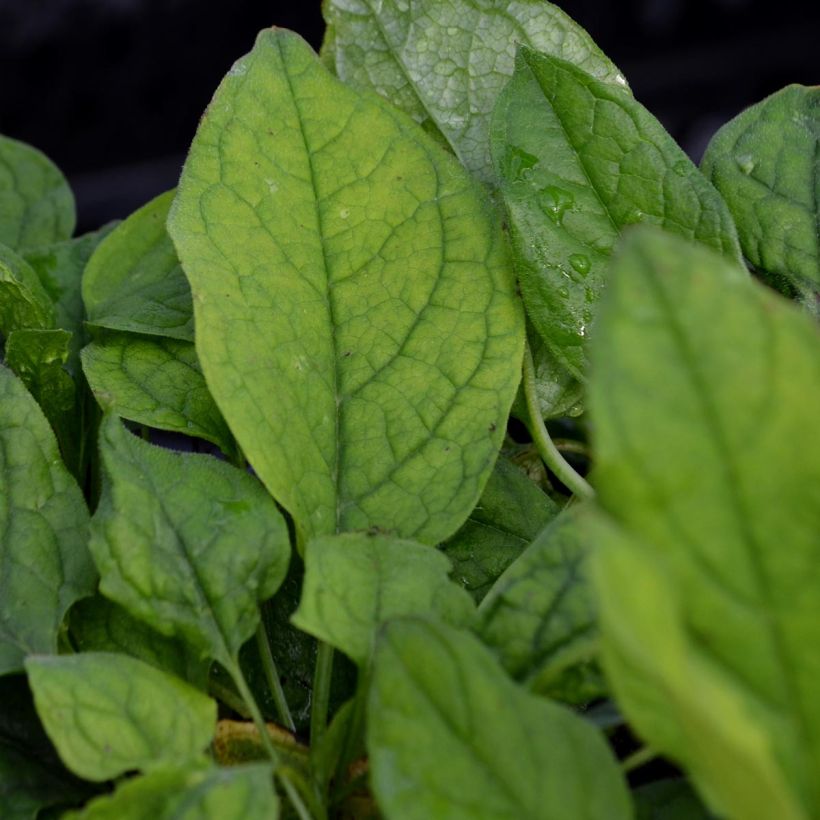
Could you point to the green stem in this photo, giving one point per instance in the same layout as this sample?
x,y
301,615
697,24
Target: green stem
x,y
261,727
272,676
546,447
322,677
637,759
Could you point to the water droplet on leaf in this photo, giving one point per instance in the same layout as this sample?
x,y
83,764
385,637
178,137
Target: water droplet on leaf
x,y
746,163
519,163
554,202
580,263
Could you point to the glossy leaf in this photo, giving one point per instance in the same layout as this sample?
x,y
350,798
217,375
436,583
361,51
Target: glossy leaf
x,y
376,390
134,281
540,619
510,513
157,382
450,736
108,714
446,63
707,566
236,793
44,562
23,301
100,625
578,160
186,543
356,582
36,204
766,164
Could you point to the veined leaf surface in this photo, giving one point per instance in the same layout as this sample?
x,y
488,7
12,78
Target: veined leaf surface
x,y
23,301
446,63
450,736
766,164
578,160
708,562
355,312
44,561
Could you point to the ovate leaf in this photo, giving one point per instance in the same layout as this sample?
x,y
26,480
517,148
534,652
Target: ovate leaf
x,y
355,312
186,543
237,793
44,561
708,563
510,513
578,160
355,582
108,714
23,301
540,619
157,382
766,164
450,736
446,63
100,625
36,204
134,281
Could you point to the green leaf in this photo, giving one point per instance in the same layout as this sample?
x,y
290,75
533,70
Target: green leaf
x,y
44,562
236,793
578,160
540,617
376,388
511,512
668,800
355,582
157,382
36,204
707,457
186,543
766,164
100,625
23,301
134,282
108,714
446,63
450,736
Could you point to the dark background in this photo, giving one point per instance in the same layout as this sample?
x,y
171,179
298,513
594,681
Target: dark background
x,y
112,89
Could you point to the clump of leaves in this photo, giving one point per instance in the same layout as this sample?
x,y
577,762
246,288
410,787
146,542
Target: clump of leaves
x,y
350,588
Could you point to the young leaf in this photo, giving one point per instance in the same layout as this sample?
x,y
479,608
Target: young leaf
x,y
355,582
157,382
108,714
99,625
236,793
44,562
450,736
708,468
540,618
578,160
446,63
766,164
511,512
376,390
186,543
134,282
23,301
36,204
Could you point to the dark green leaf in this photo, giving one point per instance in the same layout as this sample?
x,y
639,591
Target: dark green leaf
x,y
451,737
44,562
186,543
36,204
134,282
355,310
446,63
355,582
708,562
578,160
511,512
668,800
23,301
540,618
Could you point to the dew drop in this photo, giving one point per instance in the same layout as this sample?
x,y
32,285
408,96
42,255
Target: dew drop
x,y
555,202
746,163
520,163
580,263
564,292
589,295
